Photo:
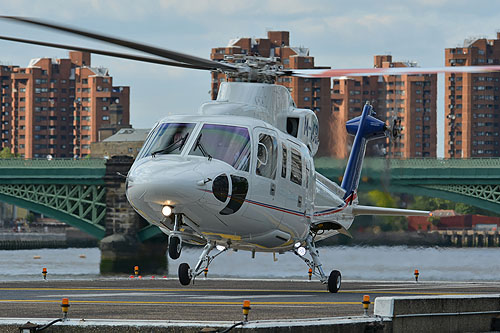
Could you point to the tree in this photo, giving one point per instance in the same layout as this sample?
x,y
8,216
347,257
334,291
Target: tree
x,y
6,153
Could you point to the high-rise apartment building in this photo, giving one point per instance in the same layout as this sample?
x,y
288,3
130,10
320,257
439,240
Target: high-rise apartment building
x,y
472,102
408,98
58,107
313,94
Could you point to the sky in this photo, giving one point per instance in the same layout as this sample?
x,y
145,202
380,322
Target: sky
x,y
340,34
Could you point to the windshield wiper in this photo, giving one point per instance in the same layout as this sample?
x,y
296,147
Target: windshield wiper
x,y
173,146
201,148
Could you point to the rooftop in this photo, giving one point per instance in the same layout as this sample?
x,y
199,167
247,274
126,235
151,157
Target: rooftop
x,y
129,134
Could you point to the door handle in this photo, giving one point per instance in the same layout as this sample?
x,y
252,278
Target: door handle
x,y
273,189
299,201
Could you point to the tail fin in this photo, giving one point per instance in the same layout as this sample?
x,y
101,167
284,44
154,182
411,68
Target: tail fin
x,y
365,128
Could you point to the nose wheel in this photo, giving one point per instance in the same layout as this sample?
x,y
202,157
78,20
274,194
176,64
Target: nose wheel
x,y
175,240
174,247
184,274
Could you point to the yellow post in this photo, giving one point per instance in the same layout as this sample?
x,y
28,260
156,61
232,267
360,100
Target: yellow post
x,y
65,307
246,309
366,304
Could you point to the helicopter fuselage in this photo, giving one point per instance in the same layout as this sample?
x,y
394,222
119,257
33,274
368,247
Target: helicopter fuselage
x,y
231,172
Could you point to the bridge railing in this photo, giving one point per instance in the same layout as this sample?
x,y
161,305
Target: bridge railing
x,y
53,163
382,163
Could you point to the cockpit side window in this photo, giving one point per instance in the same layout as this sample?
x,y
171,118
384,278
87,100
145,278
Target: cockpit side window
x,y
296,170
230,144
167,138
267,156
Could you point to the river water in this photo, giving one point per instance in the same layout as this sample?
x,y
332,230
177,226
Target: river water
x,y
356,263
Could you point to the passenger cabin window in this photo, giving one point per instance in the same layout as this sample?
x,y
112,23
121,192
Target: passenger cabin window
x,y
283,161
167,138
267,156
230,144
296,170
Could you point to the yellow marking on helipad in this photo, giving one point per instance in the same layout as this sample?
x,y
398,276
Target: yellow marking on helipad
x,y
238,290
404,292
176,302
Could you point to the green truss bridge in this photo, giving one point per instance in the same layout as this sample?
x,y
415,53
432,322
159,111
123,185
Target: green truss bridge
x,y
472,181
72,191
88,194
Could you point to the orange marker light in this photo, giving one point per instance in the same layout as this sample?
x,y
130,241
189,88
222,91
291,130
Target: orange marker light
x,y
310,273
366,304
65,307
136,270
44,273
246,309
416,275
205,271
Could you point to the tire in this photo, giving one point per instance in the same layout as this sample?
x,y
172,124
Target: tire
x,y
184,276
334,281
174,247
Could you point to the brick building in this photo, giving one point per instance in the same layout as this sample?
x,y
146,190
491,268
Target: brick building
x,y
453,222
472,103
313,94
59,106
410,98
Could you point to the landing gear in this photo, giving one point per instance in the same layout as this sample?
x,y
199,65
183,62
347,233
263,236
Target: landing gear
x,y
175,240
174,247
333,282
186,274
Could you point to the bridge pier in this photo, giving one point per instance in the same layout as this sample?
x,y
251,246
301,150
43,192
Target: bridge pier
x,y
121,250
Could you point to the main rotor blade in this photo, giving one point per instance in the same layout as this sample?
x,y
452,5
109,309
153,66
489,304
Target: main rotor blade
x,y
325,73
106,53
164,53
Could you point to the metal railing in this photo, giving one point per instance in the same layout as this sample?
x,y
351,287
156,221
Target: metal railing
x,y
53,163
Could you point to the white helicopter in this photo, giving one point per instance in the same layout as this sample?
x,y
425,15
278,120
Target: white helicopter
x,y
240,173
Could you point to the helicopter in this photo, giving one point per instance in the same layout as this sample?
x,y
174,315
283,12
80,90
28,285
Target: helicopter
x,y
239,174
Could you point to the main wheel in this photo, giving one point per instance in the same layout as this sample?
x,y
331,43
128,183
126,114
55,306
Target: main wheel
x,y
174,247
334,281
184,276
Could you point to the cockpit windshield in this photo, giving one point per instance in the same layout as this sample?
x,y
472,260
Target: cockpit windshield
x,y
167,138
230,144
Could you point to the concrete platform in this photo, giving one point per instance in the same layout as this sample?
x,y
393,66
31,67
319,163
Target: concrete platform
x,y
208,300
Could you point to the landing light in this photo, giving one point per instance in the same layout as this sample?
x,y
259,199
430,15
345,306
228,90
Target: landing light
x,y
297,245
301,251
220,247
166,211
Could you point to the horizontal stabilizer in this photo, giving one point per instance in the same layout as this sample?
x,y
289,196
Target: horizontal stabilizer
x,y
369,210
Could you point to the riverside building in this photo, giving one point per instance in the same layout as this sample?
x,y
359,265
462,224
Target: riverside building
x,y
58,107
472,104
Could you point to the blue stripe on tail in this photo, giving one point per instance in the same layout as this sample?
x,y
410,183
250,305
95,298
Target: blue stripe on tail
x,y
365,128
